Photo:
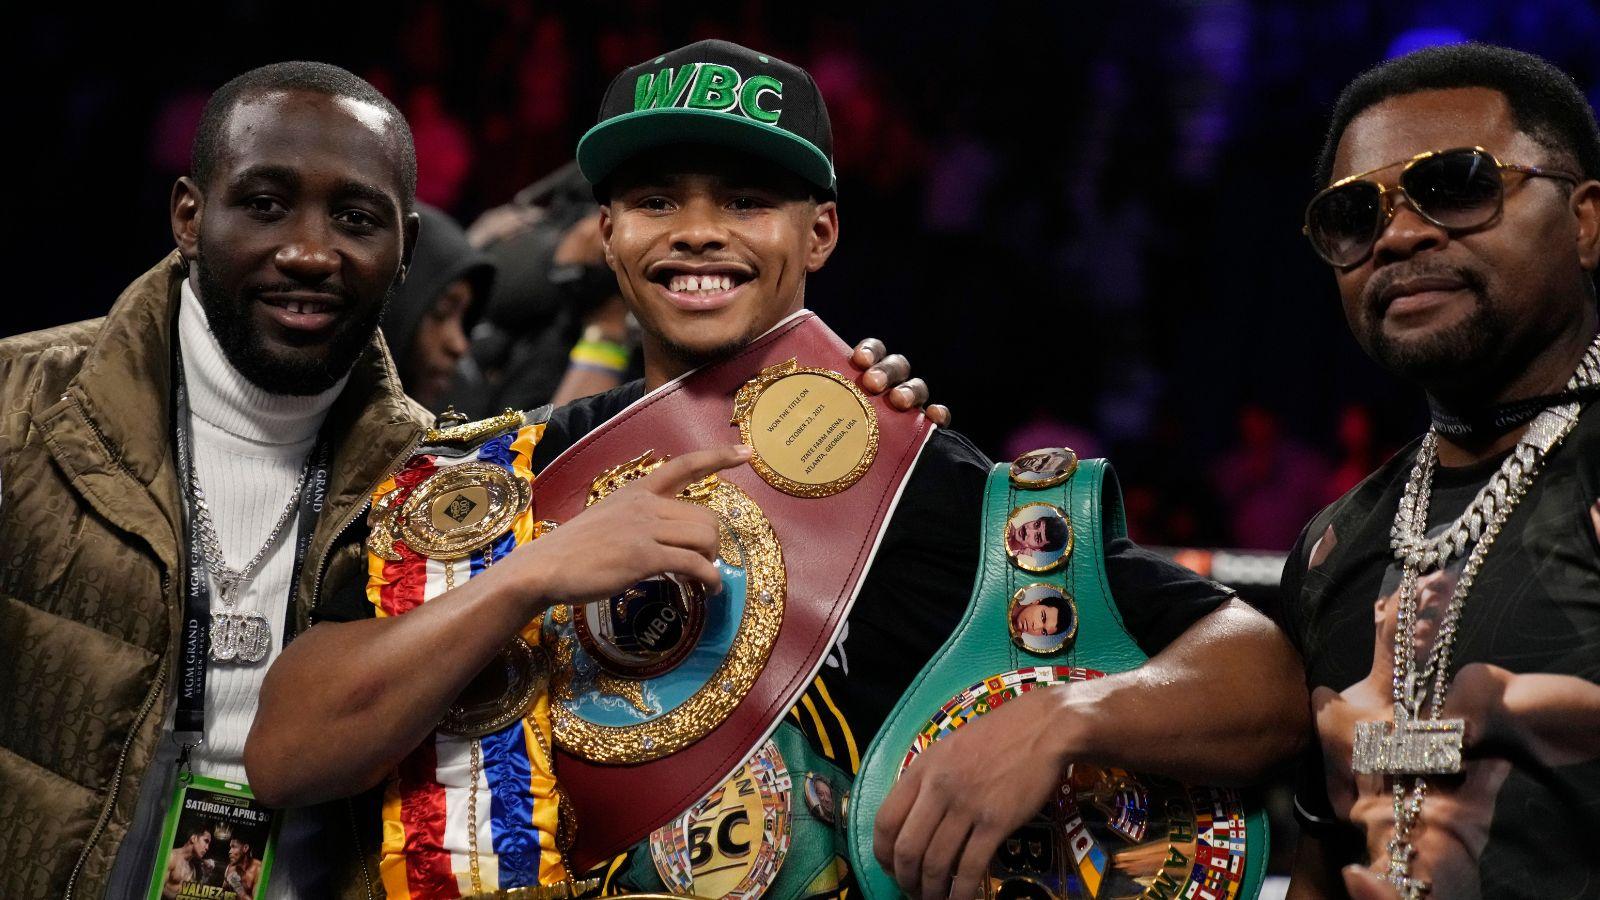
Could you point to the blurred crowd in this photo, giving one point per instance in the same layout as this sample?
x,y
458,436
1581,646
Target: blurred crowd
x,y
1081,223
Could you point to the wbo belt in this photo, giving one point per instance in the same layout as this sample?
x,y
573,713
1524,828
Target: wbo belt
x,y
1041,615
661,693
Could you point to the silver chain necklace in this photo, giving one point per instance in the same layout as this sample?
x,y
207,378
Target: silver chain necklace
x,y
1415,745
246,636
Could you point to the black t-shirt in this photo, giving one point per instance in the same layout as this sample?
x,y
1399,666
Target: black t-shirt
x,y
1534,608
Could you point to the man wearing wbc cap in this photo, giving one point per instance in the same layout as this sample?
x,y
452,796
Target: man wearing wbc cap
x,y
713,168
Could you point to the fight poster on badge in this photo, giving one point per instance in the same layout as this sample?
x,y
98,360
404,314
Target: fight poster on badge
x,y
216,843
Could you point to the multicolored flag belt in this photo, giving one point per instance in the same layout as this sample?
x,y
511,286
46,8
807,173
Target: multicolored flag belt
x,y
465,815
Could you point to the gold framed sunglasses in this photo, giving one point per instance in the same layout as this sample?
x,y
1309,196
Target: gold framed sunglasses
x,y
1457,190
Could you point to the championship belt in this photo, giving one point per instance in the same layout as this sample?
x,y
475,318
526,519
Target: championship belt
x,y
475,808
662,692
1041,614
774,829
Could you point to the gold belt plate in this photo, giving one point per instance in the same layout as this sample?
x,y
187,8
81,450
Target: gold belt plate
x,y
460,509
746,541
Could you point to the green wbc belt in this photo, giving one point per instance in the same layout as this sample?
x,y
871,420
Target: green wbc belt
x,y
1041,615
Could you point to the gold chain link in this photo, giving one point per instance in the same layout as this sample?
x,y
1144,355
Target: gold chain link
x,y
474,771
566,819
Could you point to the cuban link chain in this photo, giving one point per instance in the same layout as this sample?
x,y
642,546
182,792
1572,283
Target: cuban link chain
x,y
1434,746
245,637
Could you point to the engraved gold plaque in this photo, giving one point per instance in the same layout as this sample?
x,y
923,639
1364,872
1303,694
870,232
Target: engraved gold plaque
x,y
813,431
460,509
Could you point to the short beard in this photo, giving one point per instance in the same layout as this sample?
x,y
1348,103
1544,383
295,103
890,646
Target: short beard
x,y
688,358
291,372
1454,357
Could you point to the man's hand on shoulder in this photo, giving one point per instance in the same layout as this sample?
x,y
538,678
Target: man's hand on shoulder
x,y
883,372
943,820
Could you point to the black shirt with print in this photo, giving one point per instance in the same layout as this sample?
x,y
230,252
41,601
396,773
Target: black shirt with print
x,y
1534,608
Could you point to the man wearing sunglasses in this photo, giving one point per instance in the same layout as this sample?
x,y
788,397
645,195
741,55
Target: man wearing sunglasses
x,y
1448,607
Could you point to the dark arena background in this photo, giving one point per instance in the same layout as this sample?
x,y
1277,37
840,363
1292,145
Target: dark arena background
x,y
1080,221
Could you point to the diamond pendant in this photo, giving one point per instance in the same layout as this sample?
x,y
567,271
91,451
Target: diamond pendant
x,y
1399,874
1408,746
1409,888
236,637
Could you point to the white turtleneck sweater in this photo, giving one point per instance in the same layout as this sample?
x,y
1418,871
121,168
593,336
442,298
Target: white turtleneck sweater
x,y
250,447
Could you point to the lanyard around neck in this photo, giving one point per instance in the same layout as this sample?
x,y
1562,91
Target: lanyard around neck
x,y
195,637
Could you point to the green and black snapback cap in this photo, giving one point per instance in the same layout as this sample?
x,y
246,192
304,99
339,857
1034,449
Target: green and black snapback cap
x,y
714,92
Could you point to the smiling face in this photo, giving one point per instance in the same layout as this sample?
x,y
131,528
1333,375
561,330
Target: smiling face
x,y
711,248
1463,312
298,240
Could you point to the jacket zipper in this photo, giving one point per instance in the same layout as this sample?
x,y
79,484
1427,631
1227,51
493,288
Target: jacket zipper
x,y
122,764
99,435
149,700
361,848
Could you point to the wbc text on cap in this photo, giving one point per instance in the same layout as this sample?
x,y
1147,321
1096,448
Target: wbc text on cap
x,y
710,86
713,92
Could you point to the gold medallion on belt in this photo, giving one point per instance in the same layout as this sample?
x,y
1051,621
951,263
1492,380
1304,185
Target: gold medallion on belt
x,y
813,432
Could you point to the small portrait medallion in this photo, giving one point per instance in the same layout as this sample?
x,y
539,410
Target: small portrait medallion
x,y
1043,619
1044,468
1038,537
647,629
820,799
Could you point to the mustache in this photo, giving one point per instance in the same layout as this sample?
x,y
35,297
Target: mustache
x,y
294,287
1372,296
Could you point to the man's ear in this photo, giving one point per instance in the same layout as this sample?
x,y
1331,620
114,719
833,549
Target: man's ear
x,y
1585,204
605,235
410,227
824,235
185,211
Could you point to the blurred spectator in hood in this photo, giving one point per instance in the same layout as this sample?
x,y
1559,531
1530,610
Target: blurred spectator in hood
x,y
427,320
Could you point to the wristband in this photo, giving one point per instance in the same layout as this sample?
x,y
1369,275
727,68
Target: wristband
x,y
597,354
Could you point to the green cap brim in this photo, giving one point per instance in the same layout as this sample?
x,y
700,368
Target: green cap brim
x,y
617,140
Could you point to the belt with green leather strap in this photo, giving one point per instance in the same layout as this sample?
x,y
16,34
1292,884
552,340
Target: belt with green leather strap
x,y
1109,833
774,830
